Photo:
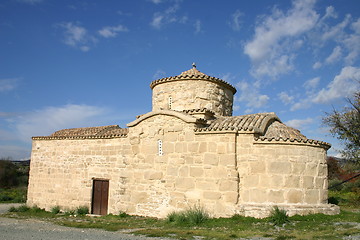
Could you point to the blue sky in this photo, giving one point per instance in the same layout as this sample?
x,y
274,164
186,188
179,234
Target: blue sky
x,y
79,63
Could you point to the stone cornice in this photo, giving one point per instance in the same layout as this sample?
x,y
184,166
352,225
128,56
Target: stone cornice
x,y
193,74
280,140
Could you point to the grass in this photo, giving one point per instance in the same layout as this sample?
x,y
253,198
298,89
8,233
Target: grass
x,y
315,226
13,195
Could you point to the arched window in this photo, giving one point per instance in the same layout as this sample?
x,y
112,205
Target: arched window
x,y
170,102
160,148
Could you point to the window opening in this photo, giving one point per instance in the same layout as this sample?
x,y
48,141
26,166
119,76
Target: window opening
x,y
170,102
160,148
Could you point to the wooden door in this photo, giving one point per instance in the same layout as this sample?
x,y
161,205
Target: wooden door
x,y
100,197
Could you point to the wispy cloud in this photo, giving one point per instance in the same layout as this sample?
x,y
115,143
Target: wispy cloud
x,y
249,94
8,84
45,121
272,48
235,20
159,74
334,56
197,26
77,36
286,98
112,31
344,85
168,16
299,123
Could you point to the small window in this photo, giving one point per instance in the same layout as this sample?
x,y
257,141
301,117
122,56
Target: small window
x,y
170,102
160,148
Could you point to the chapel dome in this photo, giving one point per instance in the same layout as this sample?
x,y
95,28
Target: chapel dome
x,y
193,89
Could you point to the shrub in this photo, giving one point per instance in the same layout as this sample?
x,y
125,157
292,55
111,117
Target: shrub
x,y
192,216
123,214
278,216
82,210
55,210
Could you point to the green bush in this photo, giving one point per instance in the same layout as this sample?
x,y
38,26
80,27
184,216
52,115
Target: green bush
x,y
82,210
278,216
13,195
192,216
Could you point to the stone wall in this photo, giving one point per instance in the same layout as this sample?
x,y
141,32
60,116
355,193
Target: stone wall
x,y
226,172
193,94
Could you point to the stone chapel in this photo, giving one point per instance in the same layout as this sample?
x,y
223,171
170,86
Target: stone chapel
x,y
188,151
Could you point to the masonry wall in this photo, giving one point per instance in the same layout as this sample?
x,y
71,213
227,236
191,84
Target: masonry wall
x,y
224,172
193,94
289,175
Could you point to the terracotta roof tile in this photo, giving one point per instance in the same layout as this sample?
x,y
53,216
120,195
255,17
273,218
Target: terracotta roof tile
x,y
111,131
251,122
193,74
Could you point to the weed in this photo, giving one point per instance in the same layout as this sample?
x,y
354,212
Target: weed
x,y
123,214
22,208
13,195
192,216
278,216
55,210
82,210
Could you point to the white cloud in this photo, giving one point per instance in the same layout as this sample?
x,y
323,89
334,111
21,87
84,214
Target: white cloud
x,y
8,84
168,16
343,85
330,13
112,31
317,65
271,48
197,26
299,123
334,56
251,96
45,121
312,83
77,36
337,31
286,98
235,22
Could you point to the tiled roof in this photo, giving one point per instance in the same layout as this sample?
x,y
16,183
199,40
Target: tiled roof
x,y
278,131
253,122
112,131
266,126
193,74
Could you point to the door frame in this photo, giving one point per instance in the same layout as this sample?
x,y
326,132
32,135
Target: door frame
x,y
102,198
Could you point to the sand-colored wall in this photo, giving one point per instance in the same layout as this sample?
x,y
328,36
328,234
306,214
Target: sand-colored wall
x,y
193,94
224,172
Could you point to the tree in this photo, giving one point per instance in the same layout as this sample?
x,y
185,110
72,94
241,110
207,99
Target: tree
x,y
345,125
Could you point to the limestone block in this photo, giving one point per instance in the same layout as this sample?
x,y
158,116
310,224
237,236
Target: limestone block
x,y
193,147
310,169
207,184
312,196
258,195
203,147
196,171
276,196
308,182
257,167
228,185
279,167
292,181
322,169
230,197
153,175
211,158
212,146
186,183
294,196
184,171
139,197
212,195
250,181
298,168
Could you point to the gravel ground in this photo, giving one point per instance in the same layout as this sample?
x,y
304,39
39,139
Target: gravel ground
x,y
25,229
